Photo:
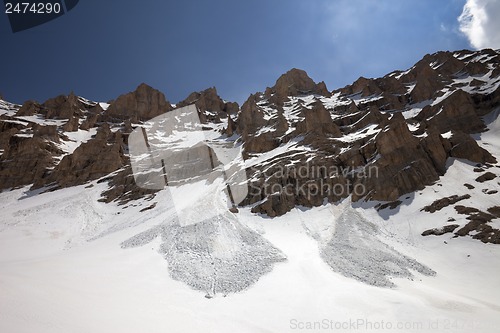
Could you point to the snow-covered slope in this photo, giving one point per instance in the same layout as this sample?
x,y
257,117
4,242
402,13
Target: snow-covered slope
x,y
53,279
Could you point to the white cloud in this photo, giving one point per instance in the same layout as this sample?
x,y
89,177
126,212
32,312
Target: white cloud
x,y
480,22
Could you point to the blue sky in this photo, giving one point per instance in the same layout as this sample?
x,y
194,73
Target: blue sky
x,y
102,49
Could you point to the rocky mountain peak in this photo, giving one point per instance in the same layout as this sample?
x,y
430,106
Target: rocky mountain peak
x,y
296,82
143,103
212,107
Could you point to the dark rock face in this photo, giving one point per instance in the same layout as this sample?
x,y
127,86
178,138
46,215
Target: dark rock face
x,y
29,108
231,126
90,121
72,125
437,148
46,131
205,100
463,146
457,112
314,119
318,121
251,117
212,108
64,107
365,87
91,160
296,82
427,83
142,104
404,165
26,160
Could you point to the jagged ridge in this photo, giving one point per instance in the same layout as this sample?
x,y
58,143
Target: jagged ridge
x,y
404,126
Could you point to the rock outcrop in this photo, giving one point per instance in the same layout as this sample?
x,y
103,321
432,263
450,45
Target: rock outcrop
x,y
26,160
212,108
92,160
464,146
456,112
29,108
140,105
64,107
296,82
